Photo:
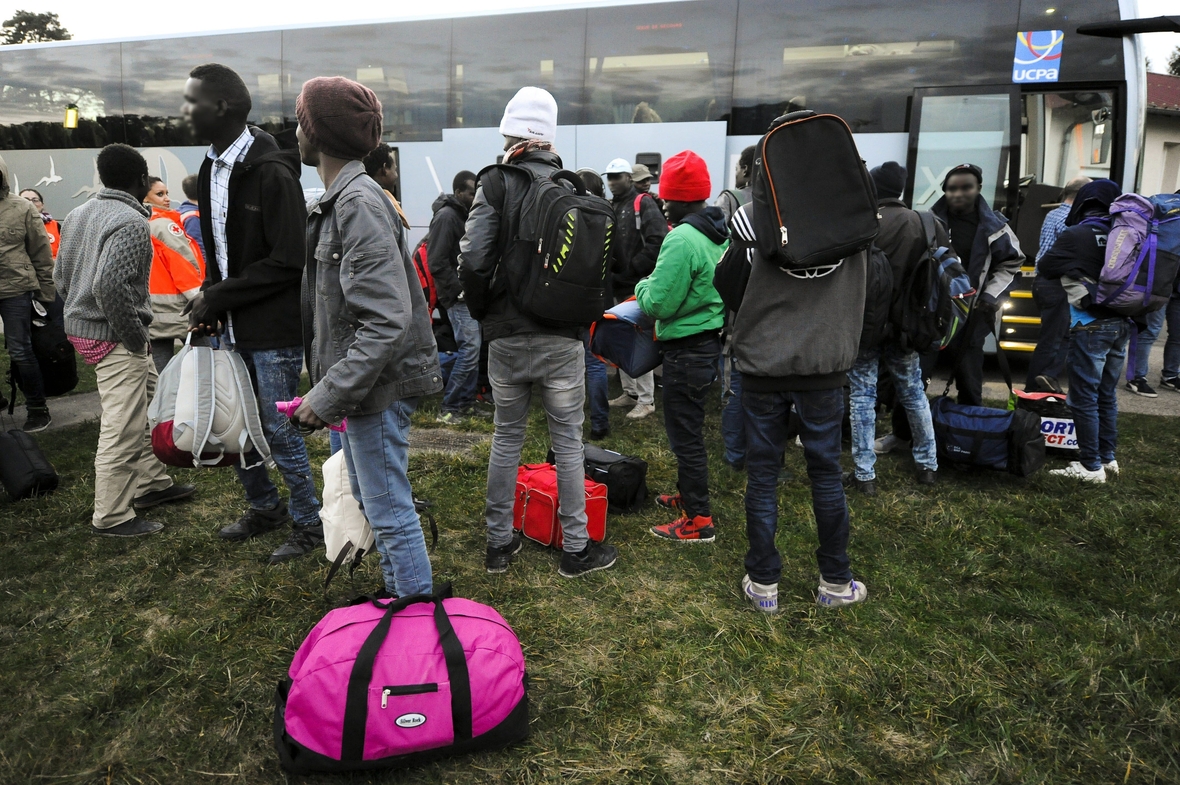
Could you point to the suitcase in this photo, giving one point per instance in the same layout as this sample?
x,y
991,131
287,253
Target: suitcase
x,y
24,469
534,513
813,201
624,476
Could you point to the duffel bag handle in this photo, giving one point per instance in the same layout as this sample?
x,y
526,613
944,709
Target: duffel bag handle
x,y
356,706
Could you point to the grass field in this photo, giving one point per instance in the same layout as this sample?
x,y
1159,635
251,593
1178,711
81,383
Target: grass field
x,y
1016,632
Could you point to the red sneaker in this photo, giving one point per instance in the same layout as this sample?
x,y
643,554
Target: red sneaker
x,y
698,529
671,501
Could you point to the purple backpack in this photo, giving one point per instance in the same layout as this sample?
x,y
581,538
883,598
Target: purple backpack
x,y
396,684
1142,254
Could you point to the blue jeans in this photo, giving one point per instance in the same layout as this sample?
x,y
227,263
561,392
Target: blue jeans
x,y
1145,341
688,375
733,417
597,389
906,371
377,452
820,413
554,367
1096,354
17,315
1172,345
460,391
275,373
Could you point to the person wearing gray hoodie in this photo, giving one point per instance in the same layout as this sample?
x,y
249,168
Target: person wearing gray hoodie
x,y
795,336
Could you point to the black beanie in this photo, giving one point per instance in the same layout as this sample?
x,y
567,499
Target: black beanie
x,y
889,178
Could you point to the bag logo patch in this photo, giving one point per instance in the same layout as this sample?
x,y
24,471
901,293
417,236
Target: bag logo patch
x,y
412,720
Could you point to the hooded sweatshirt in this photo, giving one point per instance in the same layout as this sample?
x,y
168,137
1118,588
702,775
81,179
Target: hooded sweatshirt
x,y
26,259
793,332
679,294
442,247
265,237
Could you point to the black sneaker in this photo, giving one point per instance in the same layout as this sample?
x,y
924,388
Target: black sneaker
x,y
867,487
1048,383
927,476
136,527
598,434
156,498
592,558
1170,383
1140,386
255,522
498,559
303,540
38,419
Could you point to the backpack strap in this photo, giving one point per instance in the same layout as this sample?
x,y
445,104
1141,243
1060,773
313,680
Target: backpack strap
x,y
356,707
249,404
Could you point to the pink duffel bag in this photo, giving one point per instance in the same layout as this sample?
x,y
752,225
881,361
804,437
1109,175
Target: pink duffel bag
x,y
393,684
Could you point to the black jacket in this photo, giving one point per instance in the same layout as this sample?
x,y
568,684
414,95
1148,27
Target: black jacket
x,y
636,250
492,224
265,227
902,239
1079,253
442,247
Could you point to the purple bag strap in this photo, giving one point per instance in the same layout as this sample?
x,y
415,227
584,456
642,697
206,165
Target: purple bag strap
x,y
356,707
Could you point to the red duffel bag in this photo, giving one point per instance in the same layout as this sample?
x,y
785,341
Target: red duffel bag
x,y
535,512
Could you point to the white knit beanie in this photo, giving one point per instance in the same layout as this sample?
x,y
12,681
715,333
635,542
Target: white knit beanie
x,y
531,114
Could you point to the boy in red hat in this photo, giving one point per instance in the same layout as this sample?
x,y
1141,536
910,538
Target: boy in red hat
x,y
689,314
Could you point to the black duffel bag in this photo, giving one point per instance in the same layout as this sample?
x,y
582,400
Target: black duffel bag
x,y
24,469
624,476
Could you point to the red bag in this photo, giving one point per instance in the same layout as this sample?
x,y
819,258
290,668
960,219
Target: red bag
x,y
535,512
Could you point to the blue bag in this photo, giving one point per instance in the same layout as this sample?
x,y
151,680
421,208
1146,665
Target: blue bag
x,y
987,438
626,337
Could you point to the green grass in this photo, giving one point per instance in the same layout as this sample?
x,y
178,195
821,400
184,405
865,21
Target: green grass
x,y
1016,632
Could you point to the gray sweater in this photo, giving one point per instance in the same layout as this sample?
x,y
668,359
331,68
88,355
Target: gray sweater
x,y
103,267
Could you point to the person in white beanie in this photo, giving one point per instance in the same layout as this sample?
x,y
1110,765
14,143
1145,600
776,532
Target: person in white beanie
x,y
523,354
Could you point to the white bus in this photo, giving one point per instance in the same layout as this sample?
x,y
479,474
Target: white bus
x,y
1010,85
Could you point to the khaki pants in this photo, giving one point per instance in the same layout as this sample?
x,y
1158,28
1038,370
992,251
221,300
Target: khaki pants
x,y
125,467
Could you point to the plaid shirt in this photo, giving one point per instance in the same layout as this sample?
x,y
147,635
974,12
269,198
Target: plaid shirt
x,y
1054,225
223,166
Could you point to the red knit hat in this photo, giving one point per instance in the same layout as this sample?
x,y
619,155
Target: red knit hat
x,y
685,178
340,117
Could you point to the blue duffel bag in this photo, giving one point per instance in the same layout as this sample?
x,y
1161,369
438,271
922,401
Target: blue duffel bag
x,y
626,337
989,438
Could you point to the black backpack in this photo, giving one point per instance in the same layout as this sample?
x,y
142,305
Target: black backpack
x,y
55,357
813,201
557,265
24,469
624,476
878,300
935,296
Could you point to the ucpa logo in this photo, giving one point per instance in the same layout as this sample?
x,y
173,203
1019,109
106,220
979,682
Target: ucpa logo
x,y
1038,56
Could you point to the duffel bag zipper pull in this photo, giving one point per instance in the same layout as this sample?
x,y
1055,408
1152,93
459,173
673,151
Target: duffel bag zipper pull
x,y
385,697
784,231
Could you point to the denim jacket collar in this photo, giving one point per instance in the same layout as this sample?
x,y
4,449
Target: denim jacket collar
x,y
351,171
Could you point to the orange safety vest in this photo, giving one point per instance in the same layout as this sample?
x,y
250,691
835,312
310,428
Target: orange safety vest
x,y
54,229
177,274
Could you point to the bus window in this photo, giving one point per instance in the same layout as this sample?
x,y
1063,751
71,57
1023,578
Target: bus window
x,y
862,59
155,72
1066,135
495,56
669,62
405,64
38,84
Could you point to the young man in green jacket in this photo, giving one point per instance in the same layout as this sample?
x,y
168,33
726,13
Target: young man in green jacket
x,y
689,314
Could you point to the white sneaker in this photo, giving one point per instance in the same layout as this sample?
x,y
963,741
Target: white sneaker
x,y
833,595
1079,472
1111,469
622,400
641,410
889,443
763,596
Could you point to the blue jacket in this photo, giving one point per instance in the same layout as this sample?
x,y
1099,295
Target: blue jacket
x,y
191,216
995,247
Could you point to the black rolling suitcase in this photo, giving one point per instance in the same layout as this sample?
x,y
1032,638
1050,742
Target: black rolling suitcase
x,y
813,201
24,469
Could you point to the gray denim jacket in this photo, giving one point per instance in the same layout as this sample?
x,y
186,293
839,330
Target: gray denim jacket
x,y
366,329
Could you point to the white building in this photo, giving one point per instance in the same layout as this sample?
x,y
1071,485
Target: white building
x,y
1161,144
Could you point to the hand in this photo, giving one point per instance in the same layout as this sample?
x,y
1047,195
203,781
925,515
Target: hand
x,y
306,417
200,319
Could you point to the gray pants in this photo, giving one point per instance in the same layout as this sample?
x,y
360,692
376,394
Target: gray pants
x,y
556,367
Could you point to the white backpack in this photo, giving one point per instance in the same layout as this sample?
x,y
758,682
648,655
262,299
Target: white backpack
x,y
205,412
347,534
